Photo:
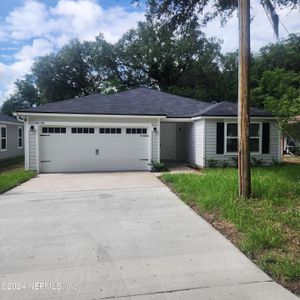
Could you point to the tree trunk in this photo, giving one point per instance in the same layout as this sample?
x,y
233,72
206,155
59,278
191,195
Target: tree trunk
x,y
244,100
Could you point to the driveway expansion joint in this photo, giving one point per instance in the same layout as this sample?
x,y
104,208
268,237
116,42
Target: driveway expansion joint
x,y
185,289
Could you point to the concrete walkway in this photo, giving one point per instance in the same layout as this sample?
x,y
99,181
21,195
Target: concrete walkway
x,y
117,236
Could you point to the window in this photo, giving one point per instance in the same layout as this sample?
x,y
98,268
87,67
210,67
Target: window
x,y
20,137
84,130
231,137
54,130
136,130
254,134
3,136
110,130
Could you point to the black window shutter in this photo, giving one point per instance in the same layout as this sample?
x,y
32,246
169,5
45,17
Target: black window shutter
x,y
220,138
266,138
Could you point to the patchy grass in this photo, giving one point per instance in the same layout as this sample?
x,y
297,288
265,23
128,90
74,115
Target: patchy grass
x,y
11,163
12,173
266,227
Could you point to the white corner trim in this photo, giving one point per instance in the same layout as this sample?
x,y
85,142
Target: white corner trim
x,y
37,150
26,144
204,143
158,141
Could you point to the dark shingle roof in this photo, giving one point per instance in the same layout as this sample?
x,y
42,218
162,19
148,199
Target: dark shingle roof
x,y
226,108
8,119
140,101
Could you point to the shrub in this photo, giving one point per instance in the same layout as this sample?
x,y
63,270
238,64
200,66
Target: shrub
x,y
256,162
212,163
158,167
225,164
235,161
275,162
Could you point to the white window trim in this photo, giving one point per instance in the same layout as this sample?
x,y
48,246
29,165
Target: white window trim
x,y
22,137
3,126
236,153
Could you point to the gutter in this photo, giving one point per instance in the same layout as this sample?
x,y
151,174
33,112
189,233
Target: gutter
x,y
88,115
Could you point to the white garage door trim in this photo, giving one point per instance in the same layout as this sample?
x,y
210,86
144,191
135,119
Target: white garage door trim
x,y
95,125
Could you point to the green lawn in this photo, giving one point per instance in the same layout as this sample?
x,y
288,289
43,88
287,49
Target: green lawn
x,y
266,228
12,173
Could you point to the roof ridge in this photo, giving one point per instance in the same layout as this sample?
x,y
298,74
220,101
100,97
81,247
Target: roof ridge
x,y
159,91
186,98
213,105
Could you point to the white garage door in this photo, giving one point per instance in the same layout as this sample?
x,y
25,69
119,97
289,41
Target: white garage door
x,y
84,149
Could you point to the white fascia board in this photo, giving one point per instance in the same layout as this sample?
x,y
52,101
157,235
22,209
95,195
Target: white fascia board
x,y
89,115
176,120
92,124
231,117
11,123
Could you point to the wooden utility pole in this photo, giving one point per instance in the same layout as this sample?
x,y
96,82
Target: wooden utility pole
x,y
244,167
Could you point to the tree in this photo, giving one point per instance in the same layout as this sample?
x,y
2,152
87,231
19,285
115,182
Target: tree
x,y
180,11
279,92
184,62
283,55
26,95
66,74
230,66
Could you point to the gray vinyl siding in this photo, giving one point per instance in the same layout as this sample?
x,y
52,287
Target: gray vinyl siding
x,y
210,145
195,142
12,142
32,153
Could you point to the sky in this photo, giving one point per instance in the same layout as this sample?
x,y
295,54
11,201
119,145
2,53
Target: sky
x,y
32,28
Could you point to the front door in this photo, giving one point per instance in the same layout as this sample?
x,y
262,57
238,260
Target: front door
x,y
167,141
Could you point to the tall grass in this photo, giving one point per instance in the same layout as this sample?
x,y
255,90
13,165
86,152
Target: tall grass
x,y
267,223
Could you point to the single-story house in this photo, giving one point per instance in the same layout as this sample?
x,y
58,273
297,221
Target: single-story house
x,y
11,135
131,129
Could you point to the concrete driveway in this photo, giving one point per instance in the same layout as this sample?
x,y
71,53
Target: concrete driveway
x,y
117,236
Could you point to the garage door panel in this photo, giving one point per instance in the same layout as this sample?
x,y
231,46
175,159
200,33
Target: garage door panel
x,y
93,152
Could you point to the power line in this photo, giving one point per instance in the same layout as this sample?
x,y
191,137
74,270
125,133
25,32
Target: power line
x,y
283,26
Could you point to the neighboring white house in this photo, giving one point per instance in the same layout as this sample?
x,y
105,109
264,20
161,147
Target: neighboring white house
x,y
129,130
11,137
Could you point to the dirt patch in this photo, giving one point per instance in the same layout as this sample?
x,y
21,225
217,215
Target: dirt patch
x,y
291,159
225,227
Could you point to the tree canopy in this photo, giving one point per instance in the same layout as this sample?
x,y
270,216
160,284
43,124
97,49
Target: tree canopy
x,y
184,62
